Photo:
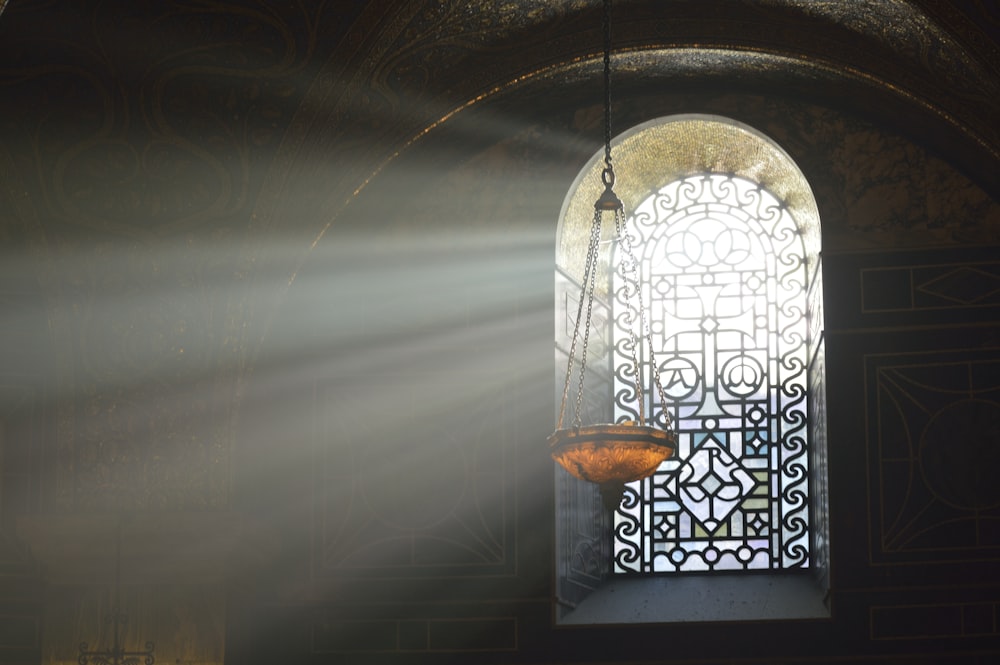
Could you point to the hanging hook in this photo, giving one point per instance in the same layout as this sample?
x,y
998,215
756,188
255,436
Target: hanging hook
x,y
608,200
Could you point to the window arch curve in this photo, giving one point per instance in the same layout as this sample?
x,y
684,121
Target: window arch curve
x,y
726,231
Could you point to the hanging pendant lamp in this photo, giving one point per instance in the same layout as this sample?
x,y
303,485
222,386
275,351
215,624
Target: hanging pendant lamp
x,y
612,454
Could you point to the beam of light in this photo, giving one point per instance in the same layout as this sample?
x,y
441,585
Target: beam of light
x,y
394,333
196,374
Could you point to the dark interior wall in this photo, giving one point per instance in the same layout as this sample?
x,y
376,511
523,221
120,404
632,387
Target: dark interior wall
x,y
453,294
365,311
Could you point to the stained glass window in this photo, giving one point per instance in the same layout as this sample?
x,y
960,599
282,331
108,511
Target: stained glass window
x,y
722,270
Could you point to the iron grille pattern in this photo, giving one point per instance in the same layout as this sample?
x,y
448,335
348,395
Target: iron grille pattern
x,y
722,275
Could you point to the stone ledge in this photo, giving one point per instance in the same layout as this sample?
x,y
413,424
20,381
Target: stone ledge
x,y
692,598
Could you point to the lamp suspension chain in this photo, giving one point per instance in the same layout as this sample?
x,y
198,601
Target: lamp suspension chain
x,y
610,454
587,295
607,88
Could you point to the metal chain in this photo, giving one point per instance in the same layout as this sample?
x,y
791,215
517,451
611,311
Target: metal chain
x,y
607,83
590,272
595,238
589,275
625,242
657,382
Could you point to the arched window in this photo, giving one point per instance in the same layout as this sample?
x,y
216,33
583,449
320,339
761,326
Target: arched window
x,y
726,234
723,274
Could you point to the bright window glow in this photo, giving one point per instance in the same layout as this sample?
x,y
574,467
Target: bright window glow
x,y
723,279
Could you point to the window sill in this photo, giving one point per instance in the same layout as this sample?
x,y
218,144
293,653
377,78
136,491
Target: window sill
x,y
637,600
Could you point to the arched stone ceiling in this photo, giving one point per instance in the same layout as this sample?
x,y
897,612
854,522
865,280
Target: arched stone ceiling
x,y
398,76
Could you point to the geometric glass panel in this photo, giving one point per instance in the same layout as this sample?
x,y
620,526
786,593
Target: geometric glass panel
x,y
721,271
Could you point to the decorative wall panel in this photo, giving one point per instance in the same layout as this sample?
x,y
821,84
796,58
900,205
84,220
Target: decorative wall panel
x,y
934,462
934,621
930,287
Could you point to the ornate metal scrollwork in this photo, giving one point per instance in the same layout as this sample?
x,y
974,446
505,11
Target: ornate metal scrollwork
x,y
723,277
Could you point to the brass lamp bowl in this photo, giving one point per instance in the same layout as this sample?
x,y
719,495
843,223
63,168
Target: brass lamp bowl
x,y
611,455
